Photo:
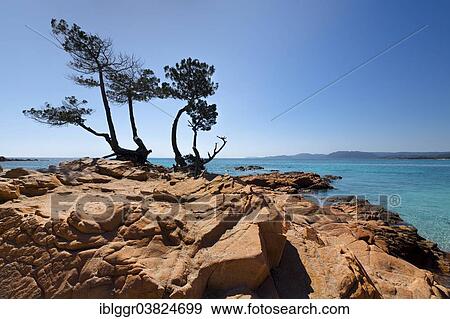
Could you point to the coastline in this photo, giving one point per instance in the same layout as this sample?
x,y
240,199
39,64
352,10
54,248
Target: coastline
x,y
350,241
18,159
422,185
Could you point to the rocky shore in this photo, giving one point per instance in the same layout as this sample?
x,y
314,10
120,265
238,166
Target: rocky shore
x,y
96,228
244,168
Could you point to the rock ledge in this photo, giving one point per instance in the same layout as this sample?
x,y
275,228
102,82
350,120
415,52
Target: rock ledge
x,y
94,228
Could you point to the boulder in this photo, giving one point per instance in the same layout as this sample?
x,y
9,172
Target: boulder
x,y
288,181
311,269
240,250
136,174
16,285
8,191
248,168
93,178
116,169
332,177
82,164
37,184
16,172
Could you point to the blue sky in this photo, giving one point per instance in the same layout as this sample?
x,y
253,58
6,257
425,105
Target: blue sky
x,y
268,56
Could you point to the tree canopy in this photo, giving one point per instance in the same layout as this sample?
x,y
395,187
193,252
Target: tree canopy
x,y
134,82
89,52
122,79
70,112
191,81
203,116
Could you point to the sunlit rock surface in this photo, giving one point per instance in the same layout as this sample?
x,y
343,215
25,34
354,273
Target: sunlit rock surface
x,y
95,228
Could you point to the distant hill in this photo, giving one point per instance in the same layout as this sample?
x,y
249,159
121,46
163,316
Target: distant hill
x,y
366,155
353,154
299,156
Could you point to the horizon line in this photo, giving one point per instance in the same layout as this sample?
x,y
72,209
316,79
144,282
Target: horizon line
x,y
224,157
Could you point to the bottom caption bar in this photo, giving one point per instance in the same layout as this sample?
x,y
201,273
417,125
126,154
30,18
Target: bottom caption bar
x,y
215,308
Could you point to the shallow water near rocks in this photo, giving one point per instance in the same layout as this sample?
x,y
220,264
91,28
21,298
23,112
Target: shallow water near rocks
x,y
417,189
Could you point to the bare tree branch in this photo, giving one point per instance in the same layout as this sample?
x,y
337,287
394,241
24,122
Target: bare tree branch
x,y
216,151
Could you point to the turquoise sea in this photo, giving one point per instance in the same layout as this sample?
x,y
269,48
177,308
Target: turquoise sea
x,y
423,186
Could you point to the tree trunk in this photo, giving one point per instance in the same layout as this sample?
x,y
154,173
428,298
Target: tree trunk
x,y
179,160
131,114
136,137
142,152
138,156
112,130
198,166
91,130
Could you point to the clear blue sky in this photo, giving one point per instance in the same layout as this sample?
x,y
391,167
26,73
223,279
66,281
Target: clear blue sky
x,y
268,56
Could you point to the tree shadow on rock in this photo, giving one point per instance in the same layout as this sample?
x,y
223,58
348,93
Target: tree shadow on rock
x,y
290,277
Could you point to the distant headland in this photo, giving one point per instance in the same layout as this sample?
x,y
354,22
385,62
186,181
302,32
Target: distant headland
x,y
367,155
5,159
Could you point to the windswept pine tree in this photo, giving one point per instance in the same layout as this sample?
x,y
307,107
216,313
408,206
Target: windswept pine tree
x,y
129,85
191,81
203,118
119,78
